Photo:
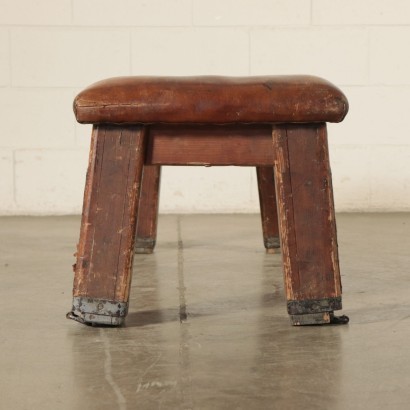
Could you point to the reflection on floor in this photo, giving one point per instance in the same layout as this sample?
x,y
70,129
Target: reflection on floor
x,y
207,327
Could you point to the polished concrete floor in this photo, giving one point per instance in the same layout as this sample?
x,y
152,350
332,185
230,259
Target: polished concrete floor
x,y
207,327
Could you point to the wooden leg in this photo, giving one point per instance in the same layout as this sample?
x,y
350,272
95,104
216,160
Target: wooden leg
x,y
267,202
105,251
307,224
148,210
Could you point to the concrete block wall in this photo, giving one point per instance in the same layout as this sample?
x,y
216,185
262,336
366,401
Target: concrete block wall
x,y
50,49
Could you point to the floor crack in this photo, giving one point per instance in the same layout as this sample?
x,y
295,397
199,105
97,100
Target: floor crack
x,y
183,315
122,403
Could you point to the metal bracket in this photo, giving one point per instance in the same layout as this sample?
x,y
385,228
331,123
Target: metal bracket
x,y
318,319
98,311
272,242
144,245
312,306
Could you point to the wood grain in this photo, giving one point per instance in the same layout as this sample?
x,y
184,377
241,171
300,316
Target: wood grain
x,y
268,207
105,250
148,210
210,145
306,212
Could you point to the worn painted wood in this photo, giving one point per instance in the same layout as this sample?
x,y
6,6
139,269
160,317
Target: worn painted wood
x,y
125,160
105,250
268,207
148,210
210,145
306,215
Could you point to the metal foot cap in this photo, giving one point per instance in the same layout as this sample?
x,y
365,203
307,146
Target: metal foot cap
x,y
323,318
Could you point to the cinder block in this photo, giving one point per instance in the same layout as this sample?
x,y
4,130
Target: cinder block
x,y
254,202
132,12
83,135
68,57
389,59
4,58
360,12
39,12
199,189
377,116
338,54
251,12
82,131
36,118
351,177
50,181
390,178
371,178
6,182
190,51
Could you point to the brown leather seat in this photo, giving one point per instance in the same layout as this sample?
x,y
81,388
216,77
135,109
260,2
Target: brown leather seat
x,y
211,99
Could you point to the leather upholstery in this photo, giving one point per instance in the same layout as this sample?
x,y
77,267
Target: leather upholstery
x,y
211,99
